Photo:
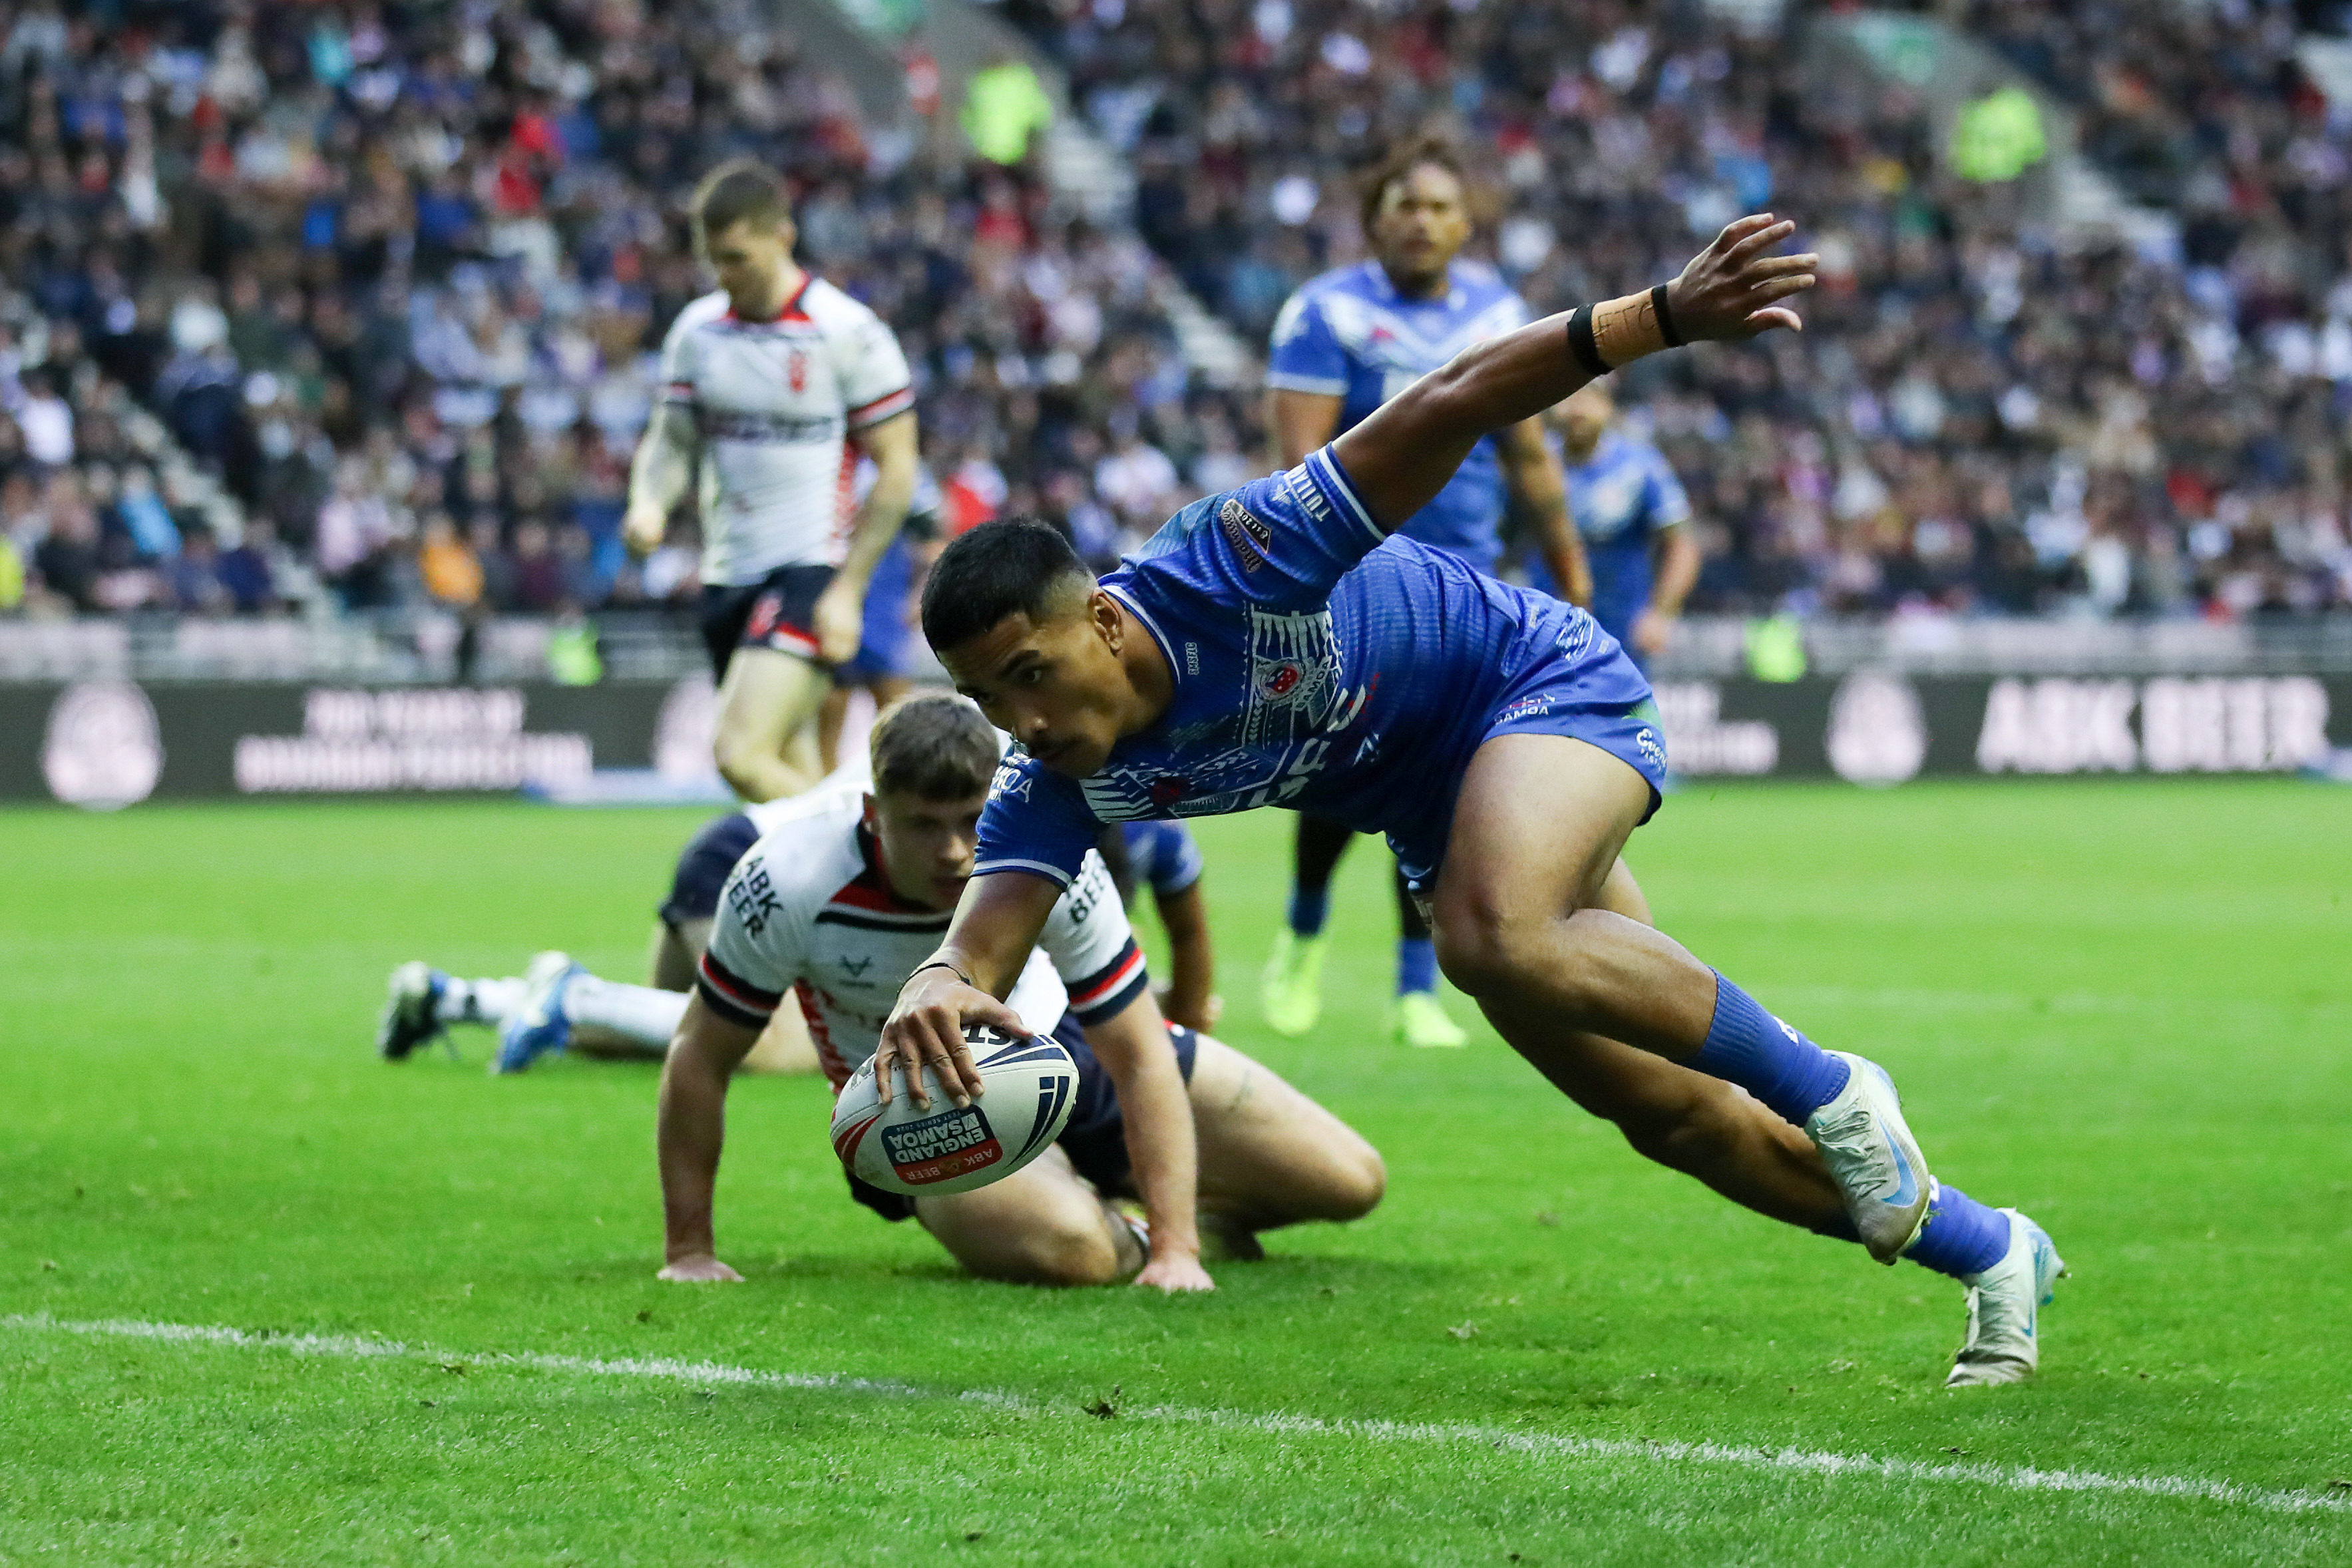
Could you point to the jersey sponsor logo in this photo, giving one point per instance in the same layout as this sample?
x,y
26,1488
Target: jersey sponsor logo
x,y
937,1148
1166,792
765,612
1011,783
1653,750
752,896
1306,495
1251,538
1525,708
855,968
796,371
746,425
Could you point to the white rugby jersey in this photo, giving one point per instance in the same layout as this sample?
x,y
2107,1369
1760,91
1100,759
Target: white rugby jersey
x,y
773,404
808,910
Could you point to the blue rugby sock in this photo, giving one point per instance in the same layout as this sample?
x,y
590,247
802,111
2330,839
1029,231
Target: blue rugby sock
x,y
1416,964
1749,1046
1962,1236
1307,909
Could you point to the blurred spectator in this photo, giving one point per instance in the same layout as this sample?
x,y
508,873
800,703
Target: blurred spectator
x,y
247,573
192,580
451,572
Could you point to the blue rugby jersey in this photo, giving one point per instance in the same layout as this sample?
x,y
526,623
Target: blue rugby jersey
x,y
1350,335
1624,496
1315,666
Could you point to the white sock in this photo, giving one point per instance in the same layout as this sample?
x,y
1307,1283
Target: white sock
x,y
479,1001
638,1012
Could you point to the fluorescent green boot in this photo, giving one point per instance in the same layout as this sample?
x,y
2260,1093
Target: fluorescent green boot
x,y
1291,992
1421,1022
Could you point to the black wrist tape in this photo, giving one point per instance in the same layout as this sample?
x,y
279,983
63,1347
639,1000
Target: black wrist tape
x,y
1580,344
1665,313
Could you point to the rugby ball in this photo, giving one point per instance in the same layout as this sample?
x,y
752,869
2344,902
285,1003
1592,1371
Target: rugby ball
x,y
934,1150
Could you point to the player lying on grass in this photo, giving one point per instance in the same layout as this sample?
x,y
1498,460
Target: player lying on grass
x,y
839,902
1272,646
558,1005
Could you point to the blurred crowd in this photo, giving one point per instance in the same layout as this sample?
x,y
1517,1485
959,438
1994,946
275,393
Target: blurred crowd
x,y
355,305
395,277
1976,421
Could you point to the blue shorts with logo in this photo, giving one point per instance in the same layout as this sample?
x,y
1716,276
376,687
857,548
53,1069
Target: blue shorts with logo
x,y
1592,692
1095,1137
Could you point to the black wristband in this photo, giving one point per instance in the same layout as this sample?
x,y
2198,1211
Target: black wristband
x,y
1665,313
942,964
1580,344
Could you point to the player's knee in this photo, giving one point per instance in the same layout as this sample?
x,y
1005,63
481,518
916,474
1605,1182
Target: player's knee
x,y
740,762
1356,1181
1484,949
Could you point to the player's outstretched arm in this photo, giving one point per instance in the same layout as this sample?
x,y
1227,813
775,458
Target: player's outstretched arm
x,y
1401,457
1134,1048
996,923
693,1124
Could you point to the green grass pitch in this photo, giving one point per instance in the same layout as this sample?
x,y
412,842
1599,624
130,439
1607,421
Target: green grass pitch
x,y
2127,1007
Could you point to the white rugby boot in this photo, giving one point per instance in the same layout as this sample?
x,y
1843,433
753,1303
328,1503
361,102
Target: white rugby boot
x,y
2004,1302
1873,1159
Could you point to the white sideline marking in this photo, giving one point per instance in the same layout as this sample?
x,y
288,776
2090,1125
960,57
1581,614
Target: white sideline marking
x,y
351,1347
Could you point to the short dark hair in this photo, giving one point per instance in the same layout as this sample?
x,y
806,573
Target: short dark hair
x,y
1428,148
934,746
740,190
999,569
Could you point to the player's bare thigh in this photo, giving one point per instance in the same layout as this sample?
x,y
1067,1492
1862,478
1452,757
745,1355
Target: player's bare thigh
x,y
1269,1154
1538,825
1043,1224
765,742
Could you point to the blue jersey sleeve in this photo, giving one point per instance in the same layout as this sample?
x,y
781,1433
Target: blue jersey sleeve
x,y
1036,821
1279,542
1306,354
1663,496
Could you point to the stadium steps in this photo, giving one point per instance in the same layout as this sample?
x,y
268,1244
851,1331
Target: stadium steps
x,y
1949,70
861,39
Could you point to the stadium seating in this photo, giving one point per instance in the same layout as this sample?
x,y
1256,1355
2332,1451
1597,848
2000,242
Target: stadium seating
x,y
400,287
1977,422
357,309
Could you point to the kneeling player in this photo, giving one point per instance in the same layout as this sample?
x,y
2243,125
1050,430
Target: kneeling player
x,y
839,902
558,1005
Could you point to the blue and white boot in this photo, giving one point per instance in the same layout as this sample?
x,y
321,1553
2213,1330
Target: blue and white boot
x,y
411,1012
1873,1159
540,1024
2004,1302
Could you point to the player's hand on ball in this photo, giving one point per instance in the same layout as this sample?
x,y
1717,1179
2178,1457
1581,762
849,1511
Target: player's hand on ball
x,y
642,527
1730,288
1176,1273
699,1268
925,1029
840,617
